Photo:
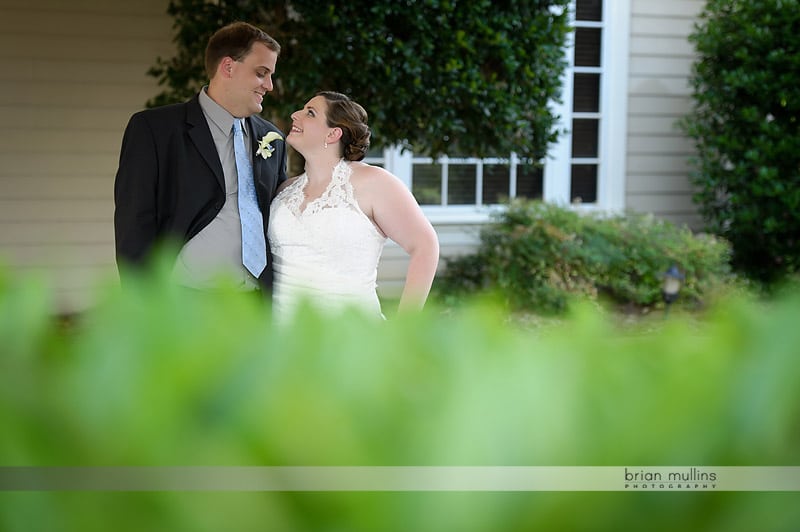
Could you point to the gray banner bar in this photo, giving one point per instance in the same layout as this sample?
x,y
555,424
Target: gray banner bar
x,y
401,478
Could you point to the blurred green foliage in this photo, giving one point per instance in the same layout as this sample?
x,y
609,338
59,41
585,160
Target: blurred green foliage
x,y
540,256
154,376
435,75
745,123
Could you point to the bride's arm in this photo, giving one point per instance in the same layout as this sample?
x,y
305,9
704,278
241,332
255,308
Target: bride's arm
x,y
395,211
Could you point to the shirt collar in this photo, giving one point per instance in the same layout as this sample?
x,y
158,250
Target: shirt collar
x,y
217,114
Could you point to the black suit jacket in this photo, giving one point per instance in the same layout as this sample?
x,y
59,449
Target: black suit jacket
x,y
170,185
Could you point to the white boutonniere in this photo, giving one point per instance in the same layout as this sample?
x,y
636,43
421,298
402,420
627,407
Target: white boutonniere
x,y
265,149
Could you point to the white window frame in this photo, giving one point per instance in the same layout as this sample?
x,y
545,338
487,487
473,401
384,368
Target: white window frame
x,y
613,129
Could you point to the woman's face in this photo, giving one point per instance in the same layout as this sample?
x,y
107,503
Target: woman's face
x,y
309,125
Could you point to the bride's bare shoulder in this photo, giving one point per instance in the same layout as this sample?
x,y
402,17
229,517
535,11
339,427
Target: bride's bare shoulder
x,y
368,174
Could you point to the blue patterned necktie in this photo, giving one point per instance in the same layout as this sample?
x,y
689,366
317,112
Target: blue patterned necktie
x,y
254,247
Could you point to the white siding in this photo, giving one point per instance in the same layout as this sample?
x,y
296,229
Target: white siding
x,y
659,94
79,72
454,240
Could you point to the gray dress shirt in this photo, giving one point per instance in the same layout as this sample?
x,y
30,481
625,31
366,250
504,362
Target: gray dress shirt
x,y
216,251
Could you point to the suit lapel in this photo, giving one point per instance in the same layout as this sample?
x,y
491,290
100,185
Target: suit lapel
x,y
201,137
266,170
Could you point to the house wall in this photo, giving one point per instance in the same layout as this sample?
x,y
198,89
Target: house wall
x,y
661,56
74,73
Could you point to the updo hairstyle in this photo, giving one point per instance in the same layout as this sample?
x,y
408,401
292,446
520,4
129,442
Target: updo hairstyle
x,y
351,118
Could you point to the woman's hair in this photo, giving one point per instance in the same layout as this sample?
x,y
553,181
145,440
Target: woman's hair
x,y
236,41
351,118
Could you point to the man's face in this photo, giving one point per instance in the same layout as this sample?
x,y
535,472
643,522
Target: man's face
x,y
250,79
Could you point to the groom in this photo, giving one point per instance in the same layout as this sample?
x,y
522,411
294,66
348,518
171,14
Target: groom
x,y
181,172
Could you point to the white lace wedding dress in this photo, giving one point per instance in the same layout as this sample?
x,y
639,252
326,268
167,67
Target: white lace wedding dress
x,y
327,252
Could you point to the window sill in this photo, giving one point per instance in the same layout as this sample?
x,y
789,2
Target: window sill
x,y
460,214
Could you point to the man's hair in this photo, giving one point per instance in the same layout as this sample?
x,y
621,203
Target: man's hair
x,y
235,40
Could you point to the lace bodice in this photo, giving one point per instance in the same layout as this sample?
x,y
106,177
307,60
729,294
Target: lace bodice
x,y
328,249
338,193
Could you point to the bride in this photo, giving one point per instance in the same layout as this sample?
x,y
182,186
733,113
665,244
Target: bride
x,y
327,226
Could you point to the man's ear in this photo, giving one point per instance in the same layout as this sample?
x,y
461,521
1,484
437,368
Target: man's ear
x,y
225,68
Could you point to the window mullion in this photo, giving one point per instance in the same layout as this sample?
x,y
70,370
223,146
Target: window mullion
x,y
445,162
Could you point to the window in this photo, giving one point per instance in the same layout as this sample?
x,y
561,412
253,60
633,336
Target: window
x,y
454,187
586,77
450,181
587,165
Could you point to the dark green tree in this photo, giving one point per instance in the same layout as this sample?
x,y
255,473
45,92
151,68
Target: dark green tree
x,y
746,91
457,76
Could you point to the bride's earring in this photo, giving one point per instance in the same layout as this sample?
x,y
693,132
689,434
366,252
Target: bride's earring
x,y
326,145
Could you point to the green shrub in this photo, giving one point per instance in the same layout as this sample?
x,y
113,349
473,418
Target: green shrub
x,y
745,124
155,377
539,256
